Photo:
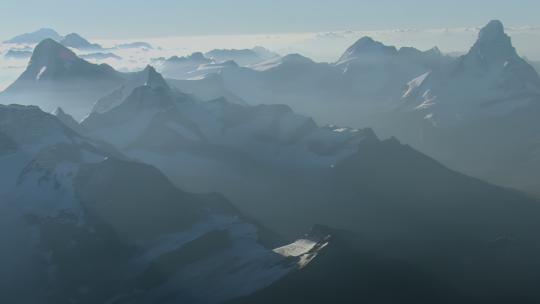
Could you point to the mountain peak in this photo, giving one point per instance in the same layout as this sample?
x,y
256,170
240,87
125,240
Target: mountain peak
x,y
49,51
367,49
493,44
75,40
296,59
35,37
154,79
494,28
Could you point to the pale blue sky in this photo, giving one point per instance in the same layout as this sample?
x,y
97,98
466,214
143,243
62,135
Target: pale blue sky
x,y
147,18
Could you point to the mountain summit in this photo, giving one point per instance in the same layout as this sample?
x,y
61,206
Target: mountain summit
x,y
154,79
57,77
35,37
75,40
48,60
493,45
367,48
53,61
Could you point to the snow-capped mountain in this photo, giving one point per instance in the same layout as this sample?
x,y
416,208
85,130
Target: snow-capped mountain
x,y
55,77
477,114
490,80
65,198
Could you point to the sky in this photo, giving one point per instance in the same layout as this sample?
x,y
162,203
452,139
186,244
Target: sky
x,y
146,18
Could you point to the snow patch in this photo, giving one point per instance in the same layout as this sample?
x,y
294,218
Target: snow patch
x,y
41,71
415,84
296,249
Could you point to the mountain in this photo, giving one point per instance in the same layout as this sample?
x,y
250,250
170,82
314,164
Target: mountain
x,y
486,101
56,77
65,198
179,67
367,49
148,76
368,79
244,57
35,37
490,80
207,88
68,121
75,41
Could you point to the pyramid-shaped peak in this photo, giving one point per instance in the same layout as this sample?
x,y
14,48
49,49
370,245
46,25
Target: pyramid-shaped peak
x,y
154,79
493,35
367,48
49,50
494,28
493,44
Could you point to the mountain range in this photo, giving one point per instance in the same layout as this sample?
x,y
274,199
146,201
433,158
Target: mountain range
x,y
287,172
485,100
201,188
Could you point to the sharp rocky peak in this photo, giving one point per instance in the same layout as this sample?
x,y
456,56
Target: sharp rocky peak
x,y
493,44
154,79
